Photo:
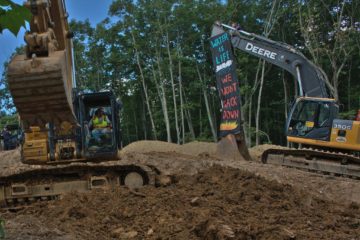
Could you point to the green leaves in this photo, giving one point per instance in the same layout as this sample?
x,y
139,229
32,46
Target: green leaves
x,y
13,16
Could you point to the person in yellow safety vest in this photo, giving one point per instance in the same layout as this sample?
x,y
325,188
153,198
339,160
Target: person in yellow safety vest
x,y
100,124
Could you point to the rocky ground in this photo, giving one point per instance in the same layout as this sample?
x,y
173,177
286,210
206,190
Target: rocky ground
x,y
211,198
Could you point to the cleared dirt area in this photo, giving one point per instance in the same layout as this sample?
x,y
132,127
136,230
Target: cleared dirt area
x,y
211,198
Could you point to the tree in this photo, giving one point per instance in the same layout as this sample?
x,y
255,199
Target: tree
x,y
331,43
13,16
155,56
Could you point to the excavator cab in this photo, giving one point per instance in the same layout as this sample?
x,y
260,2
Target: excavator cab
x,y
99,142
312,118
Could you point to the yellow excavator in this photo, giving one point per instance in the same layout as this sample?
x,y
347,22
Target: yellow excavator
x,y
56,119
325,143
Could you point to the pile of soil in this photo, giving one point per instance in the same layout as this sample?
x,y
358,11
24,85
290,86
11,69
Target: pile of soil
x,y
10,158
214,197
216,203
257,151
193,148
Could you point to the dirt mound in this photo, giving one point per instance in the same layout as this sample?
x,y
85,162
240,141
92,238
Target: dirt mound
x,y
218,203
213,198
257,151
204,149
200,148
150,146
197,156
9,157
10,163
193,148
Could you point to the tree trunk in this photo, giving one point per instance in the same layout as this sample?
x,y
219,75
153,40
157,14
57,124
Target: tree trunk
x,y
269,24
136,126
144,87
181,104
286,95
208,110
162,94
286,99
188,118
250,121
257,120
173,88
349,87
143,116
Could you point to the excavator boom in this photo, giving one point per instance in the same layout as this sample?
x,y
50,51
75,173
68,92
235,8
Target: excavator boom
x,y
310,78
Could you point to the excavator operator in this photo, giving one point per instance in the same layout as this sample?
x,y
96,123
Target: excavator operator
x,y
100,124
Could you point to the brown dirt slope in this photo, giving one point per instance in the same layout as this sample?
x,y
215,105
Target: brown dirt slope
x,y
213,198
217,203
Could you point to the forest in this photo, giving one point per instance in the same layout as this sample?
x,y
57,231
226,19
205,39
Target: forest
x,y
155,55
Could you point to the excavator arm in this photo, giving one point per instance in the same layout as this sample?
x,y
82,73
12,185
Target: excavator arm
x,y
41,80
310,78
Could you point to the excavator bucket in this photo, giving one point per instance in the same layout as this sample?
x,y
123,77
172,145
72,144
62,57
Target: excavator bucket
x,y
227,148
40,89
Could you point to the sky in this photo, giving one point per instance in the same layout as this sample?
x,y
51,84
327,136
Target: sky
x,y
94,10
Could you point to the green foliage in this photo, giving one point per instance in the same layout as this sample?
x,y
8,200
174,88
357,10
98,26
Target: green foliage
x,y
7,119
6,102
105,56
348,115
13,16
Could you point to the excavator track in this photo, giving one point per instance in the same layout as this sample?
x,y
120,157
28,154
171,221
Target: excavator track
x,y
324,162
45,183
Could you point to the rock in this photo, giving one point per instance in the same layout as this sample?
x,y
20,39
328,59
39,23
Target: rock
x,y
106,220
163,180
195,201
120,233
128,235
117,232
150,232
289,233
214,230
